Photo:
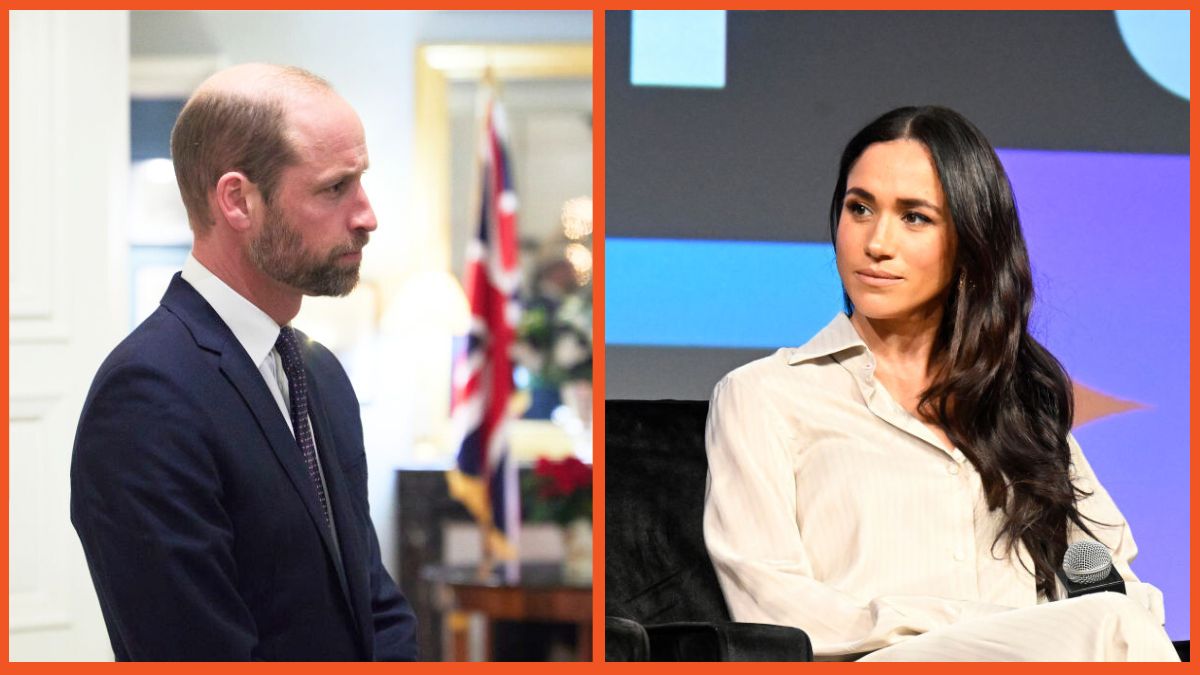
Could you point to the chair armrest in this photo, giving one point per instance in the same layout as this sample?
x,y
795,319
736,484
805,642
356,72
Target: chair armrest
x,y
625,640
701,641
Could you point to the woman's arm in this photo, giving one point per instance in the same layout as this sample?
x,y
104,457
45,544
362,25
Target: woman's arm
x,y
1104,519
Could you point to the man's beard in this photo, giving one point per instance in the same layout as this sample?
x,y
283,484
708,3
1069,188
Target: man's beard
x,y
278,251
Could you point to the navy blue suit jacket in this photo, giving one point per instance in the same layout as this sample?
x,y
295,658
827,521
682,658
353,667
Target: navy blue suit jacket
x,y
200,526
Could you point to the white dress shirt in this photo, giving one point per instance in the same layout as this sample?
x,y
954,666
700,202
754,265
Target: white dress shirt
x,y
256,332
830,508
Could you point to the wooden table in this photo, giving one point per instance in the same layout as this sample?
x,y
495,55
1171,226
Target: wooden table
x,y
541,595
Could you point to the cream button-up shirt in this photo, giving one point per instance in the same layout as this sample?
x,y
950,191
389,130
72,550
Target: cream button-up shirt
x,y
830,508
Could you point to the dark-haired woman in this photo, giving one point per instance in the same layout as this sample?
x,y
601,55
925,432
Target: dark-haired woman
x,y
904,485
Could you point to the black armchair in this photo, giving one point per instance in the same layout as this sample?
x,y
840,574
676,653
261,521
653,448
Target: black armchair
x,y
657,570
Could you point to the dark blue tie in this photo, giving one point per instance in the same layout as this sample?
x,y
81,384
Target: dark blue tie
x,y
289,350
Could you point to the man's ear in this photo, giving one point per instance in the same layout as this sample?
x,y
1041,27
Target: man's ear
x,y
236,197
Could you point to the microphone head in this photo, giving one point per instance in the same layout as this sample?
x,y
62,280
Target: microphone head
x,y
1087,562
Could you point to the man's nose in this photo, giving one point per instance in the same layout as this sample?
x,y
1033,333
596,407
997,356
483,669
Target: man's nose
x,y
364,215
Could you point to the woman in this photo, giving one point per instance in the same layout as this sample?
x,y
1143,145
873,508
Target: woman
x,y
905,484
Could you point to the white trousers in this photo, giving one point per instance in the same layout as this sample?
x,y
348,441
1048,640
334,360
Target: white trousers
x,y
1096,627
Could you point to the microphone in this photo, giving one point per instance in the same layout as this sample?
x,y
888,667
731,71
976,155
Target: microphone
x,y
1087,568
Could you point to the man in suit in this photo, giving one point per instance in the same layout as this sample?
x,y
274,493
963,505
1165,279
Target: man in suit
x,y
218,479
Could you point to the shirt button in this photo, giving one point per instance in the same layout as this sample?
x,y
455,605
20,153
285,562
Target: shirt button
x,y
959,556
952,469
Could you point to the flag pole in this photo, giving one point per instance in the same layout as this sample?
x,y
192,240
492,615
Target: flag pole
x,y
485,478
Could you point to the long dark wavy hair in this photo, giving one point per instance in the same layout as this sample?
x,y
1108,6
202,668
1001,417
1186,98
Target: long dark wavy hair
x,y
1001,397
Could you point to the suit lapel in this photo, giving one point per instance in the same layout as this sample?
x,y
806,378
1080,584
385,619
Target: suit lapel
x,y
344,512
249,382
211,333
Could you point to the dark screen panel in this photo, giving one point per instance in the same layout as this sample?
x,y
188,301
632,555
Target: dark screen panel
x,y
756,160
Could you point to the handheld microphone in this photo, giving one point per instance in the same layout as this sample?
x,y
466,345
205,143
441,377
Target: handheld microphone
x,y
1087,568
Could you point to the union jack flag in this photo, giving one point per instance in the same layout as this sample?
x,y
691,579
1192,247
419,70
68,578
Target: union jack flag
x,y
485,480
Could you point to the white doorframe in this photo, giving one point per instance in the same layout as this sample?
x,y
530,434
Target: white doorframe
x,y
68,167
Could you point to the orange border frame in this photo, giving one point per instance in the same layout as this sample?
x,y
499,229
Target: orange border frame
x,y
598,7
598,270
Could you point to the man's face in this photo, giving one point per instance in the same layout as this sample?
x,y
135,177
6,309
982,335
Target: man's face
x,y
280,253
313,232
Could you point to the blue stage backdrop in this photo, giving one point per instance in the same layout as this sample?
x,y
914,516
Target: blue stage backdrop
x,y
722,148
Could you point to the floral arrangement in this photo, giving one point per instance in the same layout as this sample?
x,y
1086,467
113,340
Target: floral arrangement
x,y
558,490
554,337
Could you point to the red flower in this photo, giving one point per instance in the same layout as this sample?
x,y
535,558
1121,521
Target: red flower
x,y
562,478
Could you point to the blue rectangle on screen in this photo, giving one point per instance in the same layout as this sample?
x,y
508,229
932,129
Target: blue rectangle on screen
x,y
678,48
705,293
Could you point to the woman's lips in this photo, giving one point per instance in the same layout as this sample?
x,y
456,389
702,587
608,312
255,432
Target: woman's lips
x,y
877,279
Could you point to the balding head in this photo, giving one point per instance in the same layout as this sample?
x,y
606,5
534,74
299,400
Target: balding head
x,y
237,121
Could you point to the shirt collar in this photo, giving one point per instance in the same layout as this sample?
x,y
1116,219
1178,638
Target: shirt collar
x,y
254,330
838,336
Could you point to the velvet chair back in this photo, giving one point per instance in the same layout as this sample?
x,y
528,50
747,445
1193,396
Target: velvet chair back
x,y
656,567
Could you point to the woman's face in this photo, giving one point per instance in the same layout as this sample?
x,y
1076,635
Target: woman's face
x,y
895,241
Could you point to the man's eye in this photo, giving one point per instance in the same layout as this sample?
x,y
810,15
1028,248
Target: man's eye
x,y
337,188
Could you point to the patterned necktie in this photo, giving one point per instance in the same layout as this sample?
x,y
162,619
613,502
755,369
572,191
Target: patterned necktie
x,y
289,350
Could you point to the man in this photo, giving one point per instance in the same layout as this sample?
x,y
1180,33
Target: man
x,y
218,479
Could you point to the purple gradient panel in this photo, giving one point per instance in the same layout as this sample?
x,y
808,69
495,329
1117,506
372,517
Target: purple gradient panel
x,y
1108,236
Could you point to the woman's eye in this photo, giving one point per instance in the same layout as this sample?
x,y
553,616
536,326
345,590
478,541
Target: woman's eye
x,y
857,208
914,218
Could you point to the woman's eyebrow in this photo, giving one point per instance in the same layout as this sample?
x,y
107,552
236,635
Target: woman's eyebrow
x,y
904,202
910,202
